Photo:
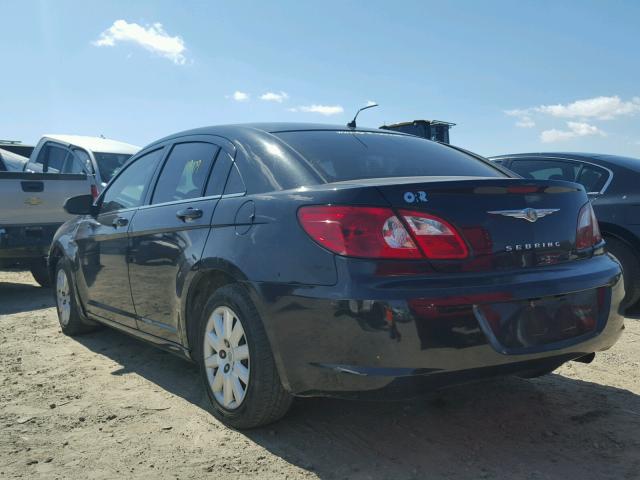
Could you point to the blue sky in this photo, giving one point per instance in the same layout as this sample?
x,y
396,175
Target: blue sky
x,y
514,76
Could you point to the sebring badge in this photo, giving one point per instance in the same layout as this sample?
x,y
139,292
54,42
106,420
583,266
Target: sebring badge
x,y
528,214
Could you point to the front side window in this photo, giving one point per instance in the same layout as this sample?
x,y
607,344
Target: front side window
x,y
128,189
349,155
185,172
545,169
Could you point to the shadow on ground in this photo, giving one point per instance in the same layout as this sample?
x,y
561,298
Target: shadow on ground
x,y
23,297
551,427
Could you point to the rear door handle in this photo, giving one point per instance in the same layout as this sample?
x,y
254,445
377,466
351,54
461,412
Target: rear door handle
x,y
120,222
189,214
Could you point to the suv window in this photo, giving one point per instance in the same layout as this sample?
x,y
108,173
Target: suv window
x,y
593,178
185,172
128,189
78,162
348,155
545,169
54,158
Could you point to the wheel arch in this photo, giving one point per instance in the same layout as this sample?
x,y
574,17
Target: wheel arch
x,y
622,234
210,275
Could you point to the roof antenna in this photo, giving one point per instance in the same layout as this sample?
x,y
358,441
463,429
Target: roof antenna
x,y
352,123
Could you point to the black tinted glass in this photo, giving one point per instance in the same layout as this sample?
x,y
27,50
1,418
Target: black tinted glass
x,y
127,190
56,157
593,178
545,169
219,174
109,164
346,155
235,184
185,172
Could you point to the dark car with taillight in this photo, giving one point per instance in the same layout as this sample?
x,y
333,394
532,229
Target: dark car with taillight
x,y
611,182
312,260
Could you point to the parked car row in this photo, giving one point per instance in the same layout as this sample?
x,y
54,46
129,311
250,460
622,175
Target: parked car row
x,y
302,260
34,190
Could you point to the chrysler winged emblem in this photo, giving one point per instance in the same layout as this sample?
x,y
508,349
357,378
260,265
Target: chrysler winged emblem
x,y
528,214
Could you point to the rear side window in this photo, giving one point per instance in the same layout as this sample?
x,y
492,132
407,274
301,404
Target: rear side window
x,y
219,174
347,155
109,164
593,178
235,184
128,189
546,169
185,172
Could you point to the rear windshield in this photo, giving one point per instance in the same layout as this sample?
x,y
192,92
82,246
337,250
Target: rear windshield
x,y
347,155
110,163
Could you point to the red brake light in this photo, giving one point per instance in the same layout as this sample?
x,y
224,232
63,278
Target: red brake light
x,y
437,238
94,192
369,232
376,232
588,231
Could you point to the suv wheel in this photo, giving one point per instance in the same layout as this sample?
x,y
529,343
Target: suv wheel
x,y
236,363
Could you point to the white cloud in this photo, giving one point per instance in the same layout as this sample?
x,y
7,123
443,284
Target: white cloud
x,y
152,38
239,96
326,110
525,122
274,97
576,129
523,116
597,108
601,108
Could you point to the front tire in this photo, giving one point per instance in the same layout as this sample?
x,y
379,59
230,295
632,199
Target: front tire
x,y
630,269
69,315
236,363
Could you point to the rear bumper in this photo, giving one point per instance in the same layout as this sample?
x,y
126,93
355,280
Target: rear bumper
x,y
365,334
21,244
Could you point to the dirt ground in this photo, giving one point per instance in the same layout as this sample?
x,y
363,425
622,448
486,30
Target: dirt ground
x,y
107,406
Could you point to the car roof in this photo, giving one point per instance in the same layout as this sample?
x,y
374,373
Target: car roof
x,y
243,131
597,158
94,144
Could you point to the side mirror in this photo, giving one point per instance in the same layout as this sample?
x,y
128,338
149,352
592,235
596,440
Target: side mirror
x,y
79,205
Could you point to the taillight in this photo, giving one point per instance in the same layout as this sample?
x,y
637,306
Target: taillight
x,y
94,191
377,232
588,231
369,232
436,237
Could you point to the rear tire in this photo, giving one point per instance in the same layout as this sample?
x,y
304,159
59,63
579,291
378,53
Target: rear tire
x,y
623,253
236,363
69,315
40,273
